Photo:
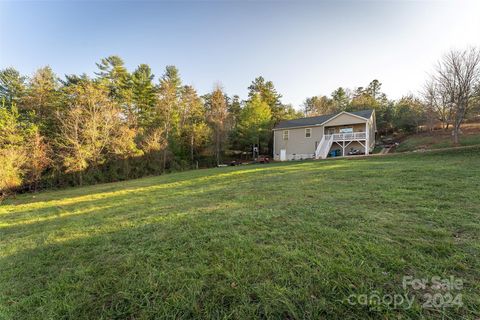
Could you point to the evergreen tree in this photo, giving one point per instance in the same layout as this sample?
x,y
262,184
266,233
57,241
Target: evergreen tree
x,y
12,86
114,75
340,99
144,95
234,109
255,123
267,93
43,98
168,109
408,114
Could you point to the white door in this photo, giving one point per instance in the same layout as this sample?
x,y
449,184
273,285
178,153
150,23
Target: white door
x,y
283,154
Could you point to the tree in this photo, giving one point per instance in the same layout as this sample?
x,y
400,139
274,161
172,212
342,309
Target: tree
x,y
43,98
12,86
373,90
39,159
144,94
91,130
290,113
267,93
22,151
436,103
168,105
372,98
255,123
340,99
114,75
318,105
234,109
458,75
217,117
408,114
194,128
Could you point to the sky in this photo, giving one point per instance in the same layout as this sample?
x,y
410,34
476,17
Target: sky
x,y
306,48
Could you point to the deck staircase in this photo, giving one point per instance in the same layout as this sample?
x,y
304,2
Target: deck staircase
x,y
323,147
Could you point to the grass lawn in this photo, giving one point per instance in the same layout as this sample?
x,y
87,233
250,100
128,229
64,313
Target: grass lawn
x,y
285,240
441,139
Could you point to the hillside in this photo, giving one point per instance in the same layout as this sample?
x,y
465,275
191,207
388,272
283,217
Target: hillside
x,y
440,139
284,240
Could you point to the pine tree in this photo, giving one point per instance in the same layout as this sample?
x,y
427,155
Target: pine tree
x,y
169,93
267,93
114,75
12,86
144,94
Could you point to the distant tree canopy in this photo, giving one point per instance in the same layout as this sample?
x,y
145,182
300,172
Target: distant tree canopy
x,y
404,115
121,124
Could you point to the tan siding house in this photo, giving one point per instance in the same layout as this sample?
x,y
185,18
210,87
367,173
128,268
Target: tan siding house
x,y
317,137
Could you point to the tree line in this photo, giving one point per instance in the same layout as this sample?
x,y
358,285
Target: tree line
x,y
120,125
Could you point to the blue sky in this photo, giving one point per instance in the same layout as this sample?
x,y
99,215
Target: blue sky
x,y
305,48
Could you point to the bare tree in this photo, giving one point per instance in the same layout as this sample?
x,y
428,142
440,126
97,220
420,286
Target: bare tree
x,y
436,103
87,128
458,77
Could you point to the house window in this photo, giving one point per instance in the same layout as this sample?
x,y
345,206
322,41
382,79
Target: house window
x,y
285,134
308,132
346,130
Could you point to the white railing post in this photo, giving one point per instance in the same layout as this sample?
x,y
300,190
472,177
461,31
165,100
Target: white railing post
x,y
326,146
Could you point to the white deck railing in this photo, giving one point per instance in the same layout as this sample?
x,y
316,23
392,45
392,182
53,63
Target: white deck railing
x,y
323,147
327,140
348,136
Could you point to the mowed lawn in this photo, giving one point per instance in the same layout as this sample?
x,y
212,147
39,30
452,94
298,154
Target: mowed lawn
x,y
284,241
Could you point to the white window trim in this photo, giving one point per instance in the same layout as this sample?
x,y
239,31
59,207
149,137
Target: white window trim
x,y
310,132
288,134
340,130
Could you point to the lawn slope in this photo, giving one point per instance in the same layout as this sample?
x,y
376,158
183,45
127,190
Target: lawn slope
x,y
441,139
288,240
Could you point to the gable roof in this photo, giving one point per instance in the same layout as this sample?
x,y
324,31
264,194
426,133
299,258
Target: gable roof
x,y
319,120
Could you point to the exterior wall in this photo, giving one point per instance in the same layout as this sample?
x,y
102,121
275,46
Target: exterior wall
x,y
297,145
344,119
359,127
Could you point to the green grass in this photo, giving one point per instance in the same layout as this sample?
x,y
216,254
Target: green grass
x,y
287,240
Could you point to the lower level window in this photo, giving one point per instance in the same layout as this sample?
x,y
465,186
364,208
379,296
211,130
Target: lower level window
x,y
285,135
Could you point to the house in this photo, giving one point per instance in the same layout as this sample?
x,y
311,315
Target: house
x,y
317,137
